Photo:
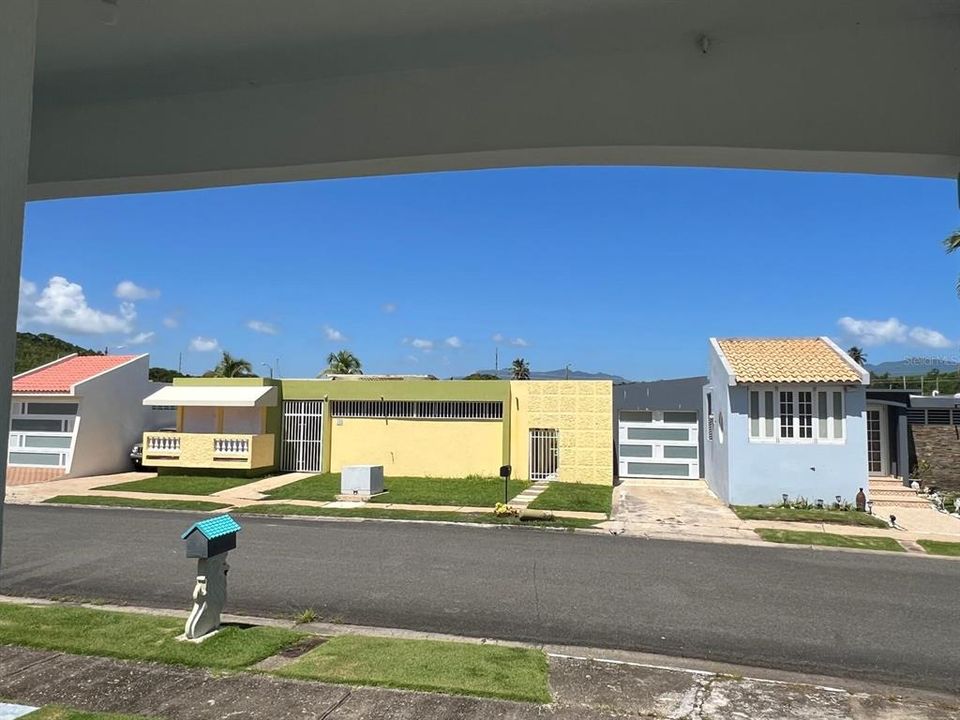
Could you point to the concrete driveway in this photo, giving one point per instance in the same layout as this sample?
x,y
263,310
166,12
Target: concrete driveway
x,y
679,507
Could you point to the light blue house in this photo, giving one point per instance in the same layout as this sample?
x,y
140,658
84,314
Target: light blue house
x,y
784,416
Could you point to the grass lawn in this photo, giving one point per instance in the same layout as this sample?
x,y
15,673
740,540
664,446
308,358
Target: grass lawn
x,y
575,496
859,542
383,513
938,547
180,484
129,636
54,712
197,505
836,517
315,487
448,667
473,492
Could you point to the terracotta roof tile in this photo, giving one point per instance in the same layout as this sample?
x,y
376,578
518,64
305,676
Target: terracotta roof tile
x,y
61,376
786,360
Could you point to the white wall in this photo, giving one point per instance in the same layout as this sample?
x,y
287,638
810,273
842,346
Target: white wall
x,y
243,420
111,419
717,452
199,420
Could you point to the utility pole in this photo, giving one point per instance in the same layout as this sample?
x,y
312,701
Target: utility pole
x,y
496,360
180,363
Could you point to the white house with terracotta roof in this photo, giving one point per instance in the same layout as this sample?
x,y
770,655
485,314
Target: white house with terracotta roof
x,y
79,416
784,416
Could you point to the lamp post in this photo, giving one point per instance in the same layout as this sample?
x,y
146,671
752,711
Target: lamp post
x,y
269,367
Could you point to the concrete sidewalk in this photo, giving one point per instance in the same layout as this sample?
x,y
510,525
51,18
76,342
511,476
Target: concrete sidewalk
x,y
251,493
583,689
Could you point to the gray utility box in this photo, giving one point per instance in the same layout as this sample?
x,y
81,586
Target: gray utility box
x,y
361,480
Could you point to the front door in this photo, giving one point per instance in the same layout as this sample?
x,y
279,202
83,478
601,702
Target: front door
x,y
878,462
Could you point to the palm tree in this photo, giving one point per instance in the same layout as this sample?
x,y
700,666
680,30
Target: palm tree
x,y
952,244
858,356
343,362
230,366
520,369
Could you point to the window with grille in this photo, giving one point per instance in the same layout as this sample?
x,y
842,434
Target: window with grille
x,y
798,415
418,409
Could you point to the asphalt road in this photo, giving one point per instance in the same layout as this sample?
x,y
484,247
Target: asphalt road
x,y
875,617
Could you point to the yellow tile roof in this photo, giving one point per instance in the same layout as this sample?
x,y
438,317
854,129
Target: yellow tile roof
x,y
786,360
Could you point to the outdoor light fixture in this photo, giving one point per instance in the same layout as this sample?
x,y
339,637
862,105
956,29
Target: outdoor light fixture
x,y
819,503
839,498
785,498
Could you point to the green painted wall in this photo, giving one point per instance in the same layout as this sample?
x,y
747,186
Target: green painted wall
x,y
228,382
396,389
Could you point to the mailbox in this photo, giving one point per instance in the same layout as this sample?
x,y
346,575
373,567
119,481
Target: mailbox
x,y
211,537
209,541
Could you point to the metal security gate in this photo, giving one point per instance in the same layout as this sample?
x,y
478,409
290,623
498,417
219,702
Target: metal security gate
x,y
302,449
659,443
544,453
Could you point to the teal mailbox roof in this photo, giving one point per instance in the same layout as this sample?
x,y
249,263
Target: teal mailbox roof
x,y
214,527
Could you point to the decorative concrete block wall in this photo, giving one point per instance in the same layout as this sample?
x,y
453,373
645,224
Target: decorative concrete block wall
x,y
582,413
939,445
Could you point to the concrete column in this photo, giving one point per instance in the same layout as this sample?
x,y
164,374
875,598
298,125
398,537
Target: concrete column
x,y
18,29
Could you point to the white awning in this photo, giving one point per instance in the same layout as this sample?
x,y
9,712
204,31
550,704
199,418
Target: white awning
x,y
214,396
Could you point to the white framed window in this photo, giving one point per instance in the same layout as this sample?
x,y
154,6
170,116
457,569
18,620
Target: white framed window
x,y
796,415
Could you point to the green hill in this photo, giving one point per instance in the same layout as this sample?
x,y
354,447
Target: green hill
x,y
40,349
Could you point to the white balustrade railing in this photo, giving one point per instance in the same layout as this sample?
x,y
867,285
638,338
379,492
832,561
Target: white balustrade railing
x,y
163,443
231,446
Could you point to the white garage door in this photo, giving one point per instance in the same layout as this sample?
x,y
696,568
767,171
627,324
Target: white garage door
x,y
658,443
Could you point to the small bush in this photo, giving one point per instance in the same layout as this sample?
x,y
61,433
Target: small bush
x,y
504,510
306,616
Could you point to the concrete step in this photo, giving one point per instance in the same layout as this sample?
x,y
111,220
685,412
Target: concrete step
x,y
902,502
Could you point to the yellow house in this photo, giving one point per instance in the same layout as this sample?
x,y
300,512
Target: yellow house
x,y
414,427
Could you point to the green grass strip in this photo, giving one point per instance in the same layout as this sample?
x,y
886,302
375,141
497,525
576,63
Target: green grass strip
x,y
130,636
107,501
54,712
858,542
316,487
939,547
429,665
784,514
180,484
575,496
471,492
376,513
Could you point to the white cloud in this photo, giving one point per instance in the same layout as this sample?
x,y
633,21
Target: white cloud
x,y
497,337
883,332
262,327
129,290
453,341
204,344
389,308
171,322
519,342
141,338
333,334
63,305
421,344
929,338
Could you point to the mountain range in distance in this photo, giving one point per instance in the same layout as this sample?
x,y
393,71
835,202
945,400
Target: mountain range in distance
x,y
561,374
913,366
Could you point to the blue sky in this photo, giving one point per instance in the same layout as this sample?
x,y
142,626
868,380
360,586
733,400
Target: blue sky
x,y
622,270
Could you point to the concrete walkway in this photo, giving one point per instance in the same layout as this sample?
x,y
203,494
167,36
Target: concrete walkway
x,y
688,510
583,688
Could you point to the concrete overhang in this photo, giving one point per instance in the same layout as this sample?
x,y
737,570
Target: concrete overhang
x,y
183,93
